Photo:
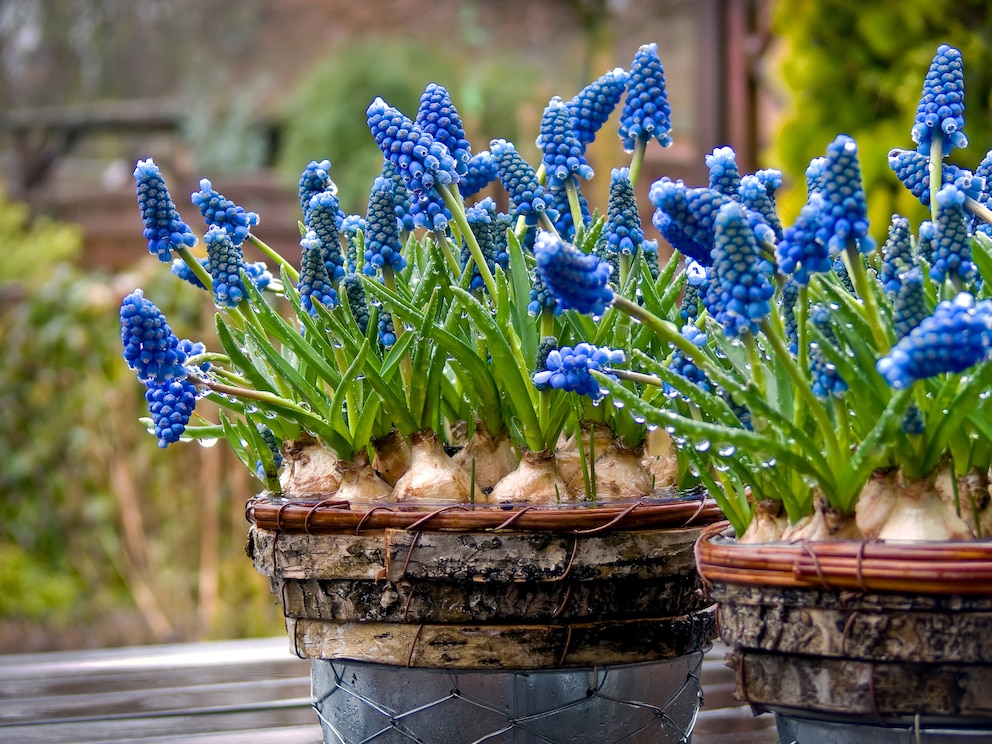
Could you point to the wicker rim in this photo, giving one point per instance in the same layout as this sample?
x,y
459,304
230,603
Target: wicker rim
x,y
325,515
915,568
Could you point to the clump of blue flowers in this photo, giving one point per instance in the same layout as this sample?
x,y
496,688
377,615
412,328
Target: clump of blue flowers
x,y
783,361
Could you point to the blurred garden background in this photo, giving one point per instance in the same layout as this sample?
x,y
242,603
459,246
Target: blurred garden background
x,y
107,540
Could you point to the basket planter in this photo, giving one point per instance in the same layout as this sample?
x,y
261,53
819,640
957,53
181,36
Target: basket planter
x,y
547,622
878,634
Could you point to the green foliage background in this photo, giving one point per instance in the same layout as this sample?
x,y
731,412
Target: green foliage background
x,y
858,69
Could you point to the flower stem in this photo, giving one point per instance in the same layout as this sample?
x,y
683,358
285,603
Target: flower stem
x,y
936,177
196,267
457,207
637,159
273,255
573,202
856,268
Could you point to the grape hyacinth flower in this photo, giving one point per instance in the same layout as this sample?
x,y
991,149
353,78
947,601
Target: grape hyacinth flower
x,y
419,159
913,170
382,244
646,112
940,112
351,225
564,157
814,175
170,404
165,230
771,179
926,242
541,298
623,230
273,446
684,367
481,220
983,174
649,250
430,212
314,283
258,272
789,298
519,179
437,116
692,293
909,306
385,329
897,254
952,249
844,218
558,204
685,217
577,280
316,177
401,197
325,214
753,193
151,349
357,301
724,176
739,292
569,368
954,338
825,378
222,212
192,349
591,107
479,173
225,260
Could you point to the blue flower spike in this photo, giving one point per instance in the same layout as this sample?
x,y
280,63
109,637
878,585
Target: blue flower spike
x,y
564,156
325,215
952,248
724,176
569,368
382,242
171,406
844,219
225,261
437,116
646,112
577,280
740,288
165,230
686,217
316,177
314,284
591,107
151,349
527,196
684,367
956,337
940,112
422,161
897,254
913,170
222,212
799,254
623,222
480,172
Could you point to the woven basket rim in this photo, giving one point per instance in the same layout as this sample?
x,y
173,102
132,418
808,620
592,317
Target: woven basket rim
x,y
945,567
320,513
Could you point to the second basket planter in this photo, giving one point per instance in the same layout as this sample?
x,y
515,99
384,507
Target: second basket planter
x,y
879,634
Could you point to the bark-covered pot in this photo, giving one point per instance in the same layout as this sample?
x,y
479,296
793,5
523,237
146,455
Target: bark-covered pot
x,y
885,634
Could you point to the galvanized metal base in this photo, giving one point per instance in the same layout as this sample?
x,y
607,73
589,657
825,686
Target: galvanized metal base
x,y
795,730
655,702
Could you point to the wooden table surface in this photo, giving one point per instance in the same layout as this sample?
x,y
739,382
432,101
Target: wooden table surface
x,y
229,692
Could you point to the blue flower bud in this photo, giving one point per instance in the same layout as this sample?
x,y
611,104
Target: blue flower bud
x,y
646,112
165,230
578,280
